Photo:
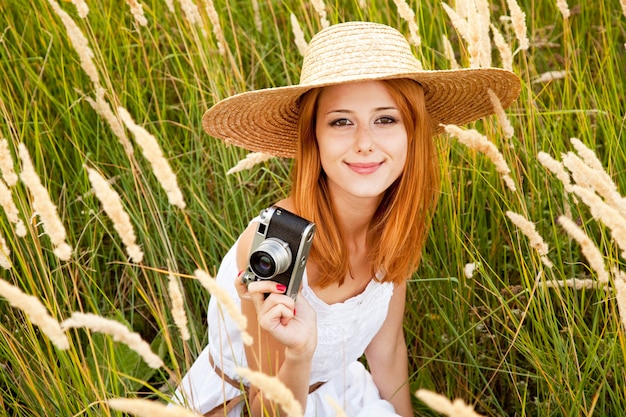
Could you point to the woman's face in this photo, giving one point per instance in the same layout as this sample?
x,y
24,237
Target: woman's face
x,y
361,137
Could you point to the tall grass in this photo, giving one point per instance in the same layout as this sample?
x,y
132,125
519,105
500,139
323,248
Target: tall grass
x,y
500,338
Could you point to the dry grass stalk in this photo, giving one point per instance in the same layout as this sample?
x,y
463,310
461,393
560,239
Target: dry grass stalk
x,y
563,8
548,76
507,128
36,312
406,13
43,206
217,28
474,140
530,231
148,408
136,9
112,205
339,412
6,164
448,51
557,169
226,301
252,159
79,42
506,55
10,209
589,249
443,405
5,253
320,8
81,8
153,153
273,389
102,107
605,213
178,306
118,331
298,35
576,283
518,18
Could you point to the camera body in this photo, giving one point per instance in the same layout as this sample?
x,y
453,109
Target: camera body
x,y
280,249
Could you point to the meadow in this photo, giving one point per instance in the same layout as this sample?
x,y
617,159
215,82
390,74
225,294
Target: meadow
x,y
114,201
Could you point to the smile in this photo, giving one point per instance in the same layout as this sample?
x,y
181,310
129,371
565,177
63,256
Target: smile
x,y
364,168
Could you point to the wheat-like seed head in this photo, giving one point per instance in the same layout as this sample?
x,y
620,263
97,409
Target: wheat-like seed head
x,y
507,128
152,151
5,253
443,405
530,231
112,205
478,142
36,312
518,18
406,13
10,209
148,408
274,390
217,27
563,8
320,8
6,164
79,42
102,107
136,9
298,35
506,55
43,206
225,300
118,331
178,306
589,249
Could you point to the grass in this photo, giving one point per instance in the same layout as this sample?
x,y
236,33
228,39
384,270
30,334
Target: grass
x,y
498,339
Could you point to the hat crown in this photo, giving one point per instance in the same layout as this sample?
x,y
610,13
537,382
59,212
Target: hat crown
x,y
356,51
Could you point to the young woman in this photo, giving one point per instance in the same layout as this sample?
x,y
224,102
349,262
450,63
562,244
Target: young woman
x,y
360,127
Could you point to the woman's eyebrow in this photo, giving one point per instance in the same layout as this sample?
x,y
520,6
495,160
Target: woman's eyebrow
x,y
351,111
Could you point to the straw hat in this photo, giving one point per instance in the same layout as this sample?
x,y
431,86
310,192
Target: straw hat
x,y
266,120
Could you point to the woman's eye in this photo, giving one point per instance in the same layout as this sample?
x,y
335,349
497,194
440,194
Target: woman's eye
x,y
340,122
386,120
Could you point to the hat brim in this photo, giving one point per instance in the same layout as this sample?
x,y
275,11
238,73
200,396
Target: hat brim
x,y
266,120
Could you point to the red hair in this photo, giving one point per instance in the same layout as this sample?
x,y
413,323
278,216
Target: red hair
x,y
400,224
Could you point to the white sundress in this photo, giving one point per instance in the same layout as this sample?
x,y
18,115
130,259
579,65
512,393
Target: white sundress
x,y
344,331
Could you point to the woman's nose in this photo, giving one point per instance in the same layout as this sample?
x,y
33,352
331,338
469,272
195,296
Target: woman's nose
x,y
364,141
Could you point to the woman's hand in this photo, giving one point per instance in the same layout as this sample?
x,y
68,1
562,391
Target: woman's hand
x,y
293,324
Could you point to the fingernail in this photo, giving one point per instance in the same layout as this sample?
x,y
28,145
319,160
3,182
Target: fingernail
x,y
294,311
281,287
240,272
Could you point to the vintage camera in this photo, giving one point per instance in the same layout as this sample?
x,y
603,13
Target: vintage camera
x,y
280,249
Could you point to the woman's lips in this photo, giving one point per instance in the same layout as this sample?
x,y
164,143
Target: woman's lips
x,y
364,167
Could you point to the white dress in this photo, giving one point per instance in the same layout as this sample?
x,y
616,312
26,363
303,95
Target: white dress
x,y
344,331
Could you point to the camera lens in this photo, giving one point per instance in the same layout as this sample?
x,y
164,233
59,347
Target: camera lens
x,y
270,258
